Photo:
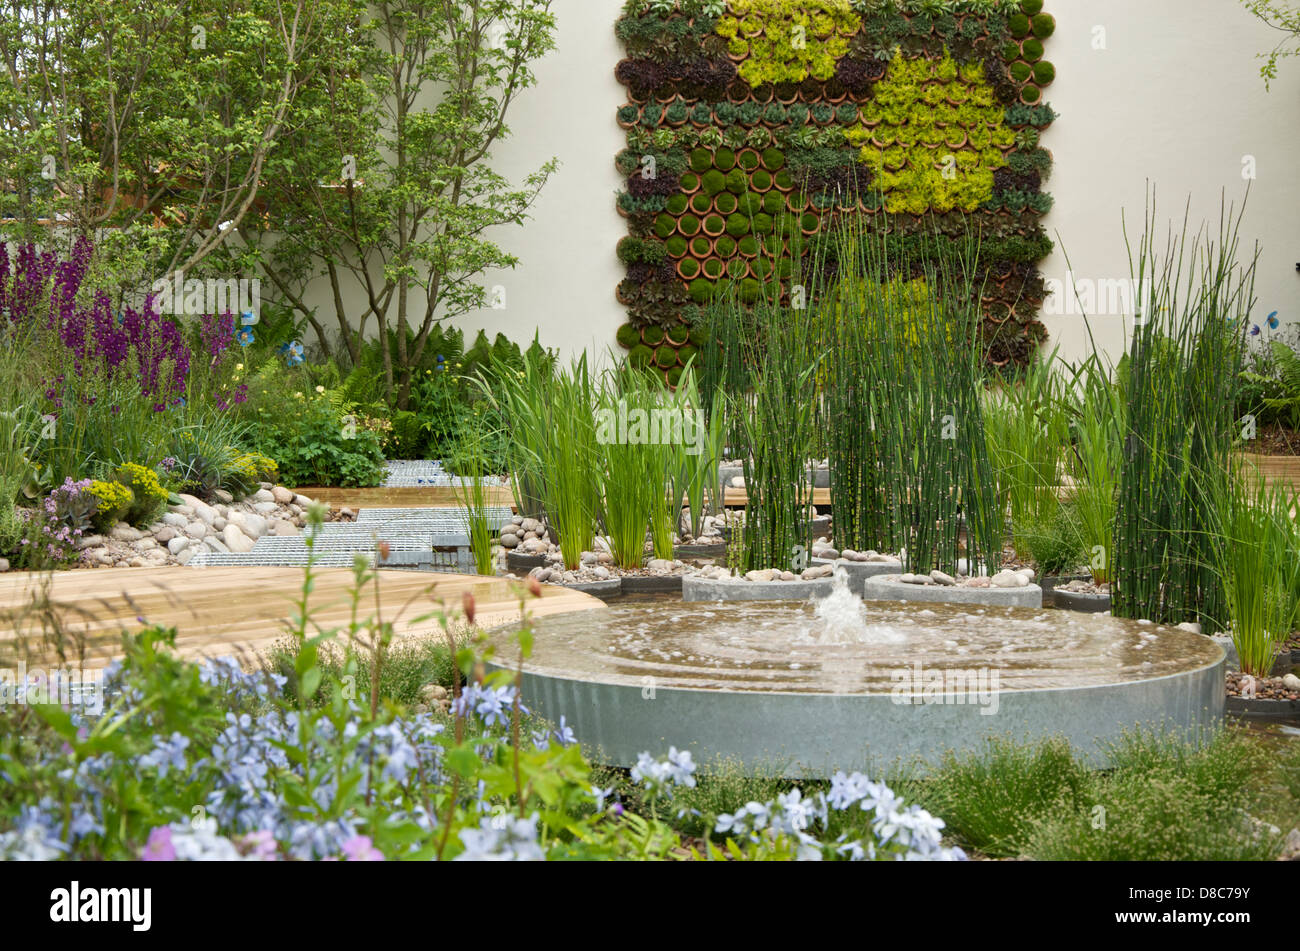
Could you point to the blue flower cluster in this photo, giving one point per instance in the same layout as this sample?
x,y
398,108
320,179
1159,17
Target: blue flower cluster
x,y
898,831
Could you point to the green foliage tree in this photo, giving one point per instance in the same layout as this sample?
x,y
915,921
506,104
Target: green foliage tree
x,y
1285,19
399,215
154,124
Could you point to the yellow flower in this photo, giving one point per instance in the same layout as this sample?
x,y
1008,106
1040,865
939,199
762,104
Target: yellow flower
x,y
239,367
298,396
320,389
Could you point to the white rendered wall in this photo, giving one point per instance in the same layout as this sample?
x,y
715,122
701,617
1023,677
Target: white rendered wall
x,y
1174,98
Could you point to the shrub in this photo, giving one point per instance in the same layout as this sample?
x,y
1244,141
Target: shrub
x,y
149,497
320,443
1055,542
991,799
112,501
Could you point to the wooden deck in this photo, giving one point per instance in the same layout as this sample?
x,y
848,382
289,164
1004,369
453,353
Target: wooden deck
x,y
442,497
400,498
1276,470
231,611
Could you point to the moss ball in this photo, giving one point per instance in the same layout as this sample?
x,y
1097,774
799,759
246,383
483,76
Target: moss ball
x,y
1021,72
652,335
701,160
700,289
724,159
689,268
676,246
713,182
737,225
773,159
1044,73
678,334
666,356
640,355
1018,25
725,246
1043,25
628,337
677,204
1032,50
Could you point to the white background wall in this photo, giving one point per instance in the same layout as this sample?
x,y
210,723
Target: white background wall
x,y
1174,99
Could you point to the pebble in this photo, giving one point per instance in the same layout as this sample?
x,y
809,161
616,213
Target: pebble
x,y
1009,579
509,541
818,571
660,564
938,577
123,532
282,495
762,574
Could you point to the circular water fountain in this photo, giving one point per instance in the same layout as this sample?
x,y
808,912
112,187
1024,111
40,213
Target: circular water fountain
x,y
806,688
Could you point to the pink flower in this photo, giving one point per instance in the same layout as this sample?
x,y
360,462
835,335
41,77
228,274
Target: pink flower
x,y
159,848
361,849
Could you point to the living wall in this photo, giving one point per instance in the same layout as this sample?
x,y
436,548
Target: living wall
x,y
753,126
